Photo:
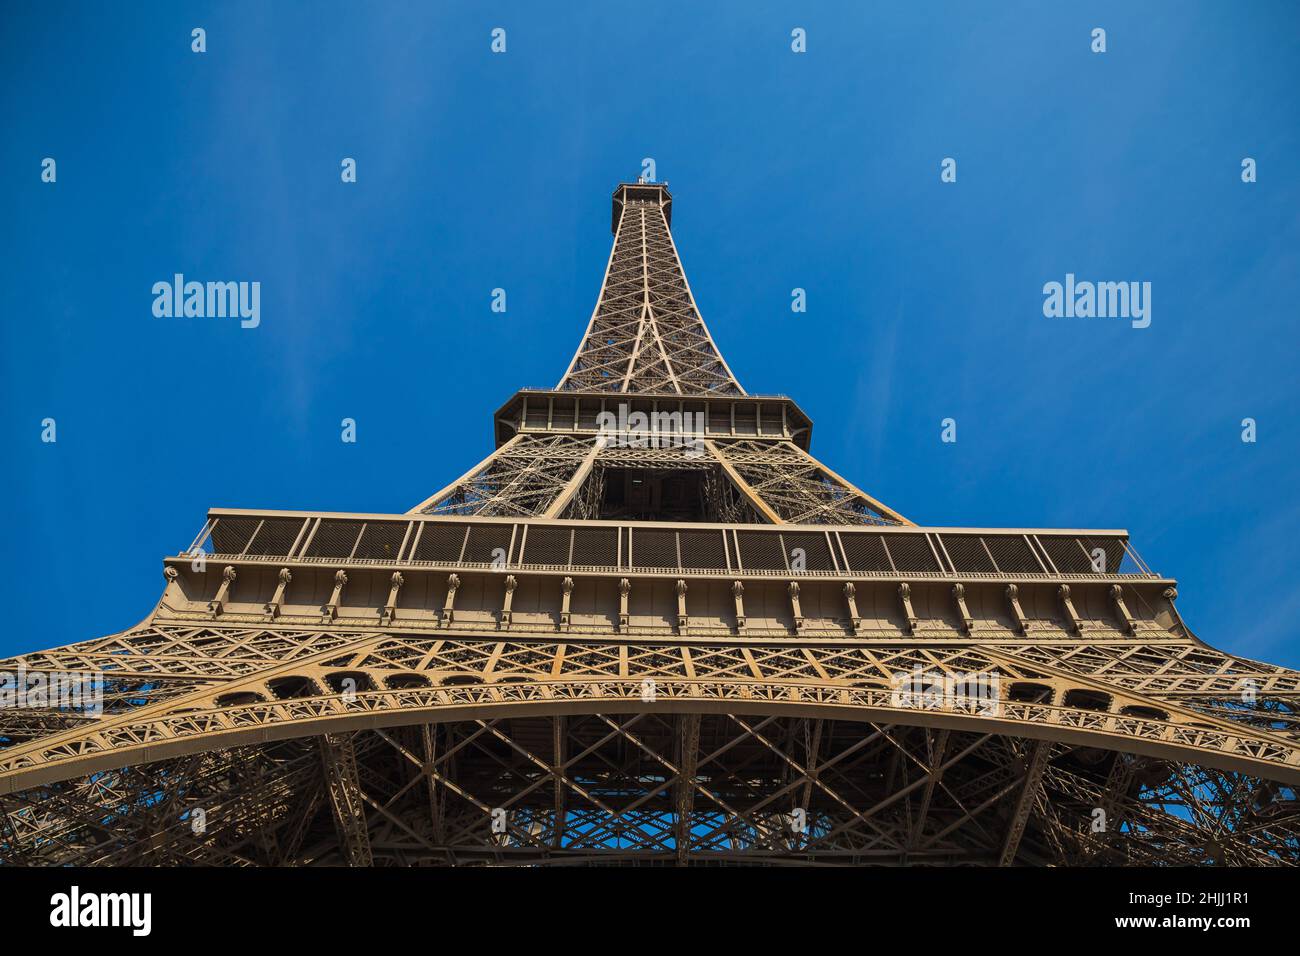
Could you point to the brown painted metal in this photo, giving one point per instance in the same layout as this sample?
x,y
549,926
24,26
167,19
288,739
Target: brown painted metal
x,y
529,668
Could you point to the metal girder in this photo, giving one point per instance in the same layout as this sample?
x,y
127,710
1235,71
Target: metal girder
x,y
446,677
637,791
1036,763
345,797
939,749
743,486
646,333
449,706
575,482
688,752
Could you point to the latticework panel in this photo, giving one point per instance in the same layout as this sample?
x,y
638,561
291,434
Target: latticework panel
x,y
647,785
1262,696
646,334
563,693
224,807
749,480
521,478
797,487
657,788
1148,695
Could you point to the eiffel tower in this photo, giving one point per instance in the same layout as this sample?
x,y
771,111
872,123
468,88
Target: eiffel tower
x,y
650,628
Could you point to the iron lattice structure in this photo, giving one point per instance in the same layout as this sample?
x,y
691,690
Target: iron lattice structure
x,y
677,639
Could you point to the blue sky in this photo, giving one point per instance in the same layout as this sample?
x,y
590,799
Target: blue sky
x,y
818,171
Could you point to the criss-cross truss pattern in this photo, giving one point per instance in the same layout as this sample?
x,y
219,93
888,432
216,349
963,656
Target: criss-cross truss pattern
x,y
524,477
679,640
646,334
798,488
599,781
655,788
647,352
564,475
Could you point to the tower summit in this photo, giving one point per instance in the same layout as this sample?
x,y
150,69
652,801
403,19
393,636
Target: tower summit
x,y
647,352
650,627
646,333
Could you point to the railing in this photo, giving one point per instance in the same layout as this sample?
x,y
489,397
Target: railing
x,y
775,550
693,396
